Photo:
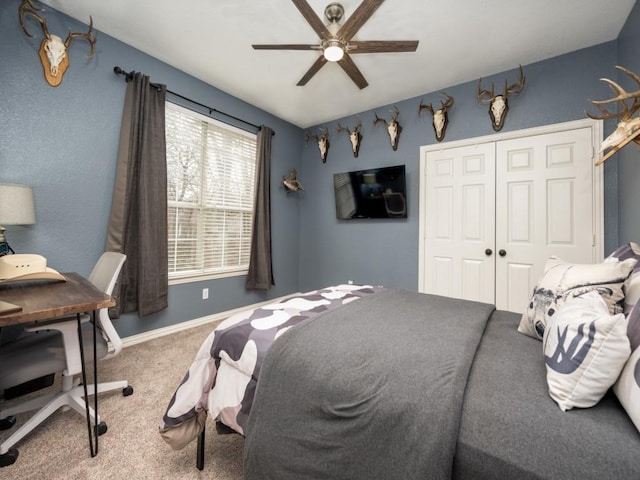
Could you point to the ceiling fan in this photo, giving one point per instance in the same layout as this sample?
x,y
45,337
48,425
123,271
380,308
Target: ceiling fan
x,y
335,39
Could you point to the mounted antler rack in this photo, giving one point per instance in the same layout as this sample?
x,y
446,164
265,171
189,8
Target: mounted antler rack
x,y
393,126
628,127
498,103
53,50
440,115
633,137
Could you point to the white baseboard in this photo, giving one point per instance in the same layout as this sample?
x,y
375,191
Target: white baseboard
x,y
196,322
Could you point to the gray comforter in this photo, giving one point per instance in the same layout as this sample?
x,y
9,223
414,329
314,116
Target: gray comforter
x,y
402,385
512,429
372,390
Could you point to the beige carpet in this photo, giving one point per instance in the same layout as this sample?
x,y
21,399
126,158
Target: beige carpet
x,y
132,447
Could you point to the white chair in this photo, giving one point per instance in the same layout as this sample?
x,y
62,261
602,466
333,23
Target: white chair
x,y
55,348
395,204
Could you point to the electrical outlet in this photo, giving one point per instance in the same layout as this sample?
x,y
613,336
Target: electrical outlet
x,y
205,293
350,282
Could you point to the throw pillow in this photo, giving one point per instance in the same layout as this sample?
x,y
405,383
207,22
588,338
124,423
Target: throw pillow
x,y
629,250
562,280
627,388
585,349
633,328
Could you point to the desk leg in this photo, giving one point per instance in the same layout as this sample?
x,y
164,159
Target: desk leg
x,y
95,378
84,384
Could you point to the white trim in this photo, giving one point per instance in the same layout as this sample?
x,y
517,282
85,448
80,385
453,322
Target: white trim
x,y
196,322
201,277
527,132
598,178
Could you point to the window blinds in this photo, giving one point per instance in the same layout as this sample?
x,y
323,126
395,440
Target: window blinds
x,y
211,183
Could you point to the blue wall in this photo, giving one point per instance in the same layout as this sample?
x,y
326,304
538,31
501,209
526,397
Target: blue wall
x,y
386,251
64,142
629,157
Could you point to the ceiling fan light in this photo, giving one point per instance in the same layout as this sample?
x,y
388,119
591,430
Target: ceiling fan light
x,y
333,51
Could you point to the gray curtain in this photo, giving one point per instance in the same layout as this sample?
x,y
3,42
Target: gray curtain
x,y
138,220
260,275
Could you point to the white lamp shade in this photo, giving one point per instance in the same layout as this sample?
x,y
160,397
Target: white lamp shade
x,y
16,205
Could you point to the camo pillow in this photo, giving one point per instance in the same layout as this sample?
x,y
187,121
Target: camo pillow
x,y
562,280
585,349
627,388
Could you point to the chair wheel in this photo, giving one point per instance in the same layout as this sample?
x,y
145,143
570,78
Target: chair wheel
x,y
7,423
9,458
126,391
101,429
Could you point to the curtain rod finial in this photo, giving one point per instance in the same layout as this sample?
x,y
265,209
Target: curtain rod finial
x,y
119,71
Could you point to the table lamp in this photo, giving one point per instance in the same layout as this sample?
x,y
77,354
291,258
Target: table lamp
x,y
16,208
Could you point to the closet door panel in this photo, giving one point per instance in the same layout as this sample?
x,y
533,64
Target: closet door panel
x,y
545,187
460,222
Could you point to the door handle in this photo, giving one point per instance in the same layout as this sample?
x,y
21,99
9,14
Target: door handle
x,y
488,252
502,252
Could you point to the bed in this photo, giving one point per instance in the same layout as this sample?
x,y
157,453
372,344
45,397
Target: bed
x,y
221,381
405,385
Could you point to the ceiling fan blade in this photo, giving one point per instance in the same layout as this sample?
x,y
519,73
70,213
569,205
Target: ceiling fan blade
x,y
312,19
380,46
287,46
357,19
352,70
317,65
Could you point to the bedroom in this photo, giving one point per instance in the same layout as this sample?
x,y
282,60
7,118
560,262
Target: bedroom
x,y
63,141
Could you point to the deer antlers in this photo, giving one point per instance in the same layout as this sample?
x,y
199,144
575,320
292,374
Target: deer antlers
x,y
498,105
355,137
621,96
28,8
628,128
393,127
440,116
323,142
53,51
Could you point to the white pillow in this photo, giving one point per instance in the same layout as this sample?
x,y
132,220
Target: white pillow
x,y
585,349
562,280
627,388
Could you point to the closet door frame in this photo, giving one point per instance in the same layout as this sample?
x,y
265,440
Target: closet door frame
x,y
596,127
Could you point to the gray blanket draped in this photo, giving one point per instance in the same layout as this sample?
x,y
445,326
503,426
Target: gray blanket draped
x,y
343,396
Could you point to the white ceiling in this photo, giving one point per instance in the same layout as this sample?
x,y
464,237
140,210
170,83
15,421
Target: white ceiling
x,y
460,40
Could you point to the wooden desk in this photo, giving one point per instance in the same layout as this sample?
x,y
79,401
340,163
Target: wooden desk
x,y
45,300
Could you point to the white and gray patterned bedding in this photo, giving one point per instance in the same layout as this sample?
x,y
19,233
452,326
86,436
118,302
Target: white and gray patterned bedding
x,y
222,378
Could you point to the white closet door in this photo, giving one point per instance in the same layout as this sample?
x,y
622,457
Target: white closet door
x,y
544,207
460,222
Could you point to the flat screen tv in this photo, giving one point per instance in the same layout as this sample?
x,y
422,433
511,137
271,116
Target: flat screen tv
x,y
372,193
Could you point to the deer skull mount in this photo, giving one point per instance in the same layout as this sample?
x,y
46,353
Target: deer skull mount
x,y
291,183
355,137
498,104
440,116
53,51
323,142
393,127
627,126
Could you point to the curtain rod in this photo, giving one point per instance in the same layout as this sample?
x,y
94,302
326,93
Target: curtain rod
x,y
129,75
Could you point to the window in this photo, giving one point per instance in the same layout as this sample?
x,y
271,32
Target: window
x,y
211,181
